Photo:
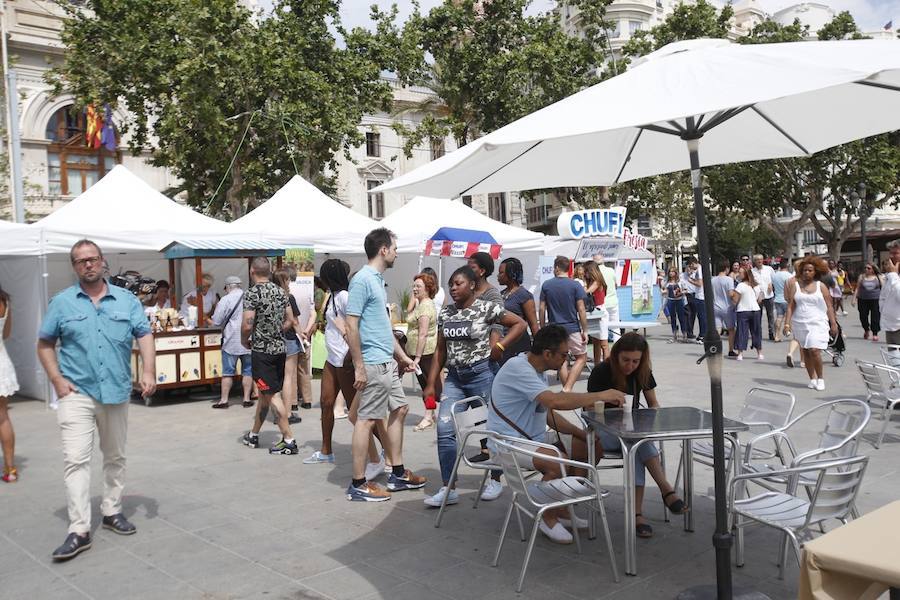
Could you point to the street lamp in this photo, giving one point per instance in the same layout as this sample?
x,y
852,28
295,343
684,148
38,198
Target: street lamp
x,y
859,198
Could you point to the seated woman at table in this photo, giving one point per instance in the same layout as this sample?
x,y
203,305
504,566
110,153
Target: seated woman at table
x,y
628,370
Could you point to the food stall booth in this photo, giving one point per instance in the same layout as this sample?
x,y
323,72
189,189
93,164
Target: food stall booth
x,y
188,354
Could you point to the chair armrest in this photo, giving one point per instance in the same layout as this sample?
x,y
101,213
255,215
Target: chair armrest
x,y
778,435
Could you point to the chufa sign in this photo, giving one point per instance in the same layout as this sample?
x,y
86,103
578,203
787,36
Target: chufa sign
x,y
595,222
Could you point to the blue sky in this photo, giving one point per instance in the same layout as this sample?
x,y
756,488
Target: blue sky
x,y
869,14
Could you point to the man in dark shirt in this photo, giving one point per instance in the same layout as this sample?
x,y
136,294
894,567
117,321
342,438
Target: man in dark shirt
x,y
562,303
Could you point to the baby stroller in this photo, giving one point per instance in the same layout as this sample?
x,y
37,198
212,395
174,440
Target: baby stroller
x,y
836,347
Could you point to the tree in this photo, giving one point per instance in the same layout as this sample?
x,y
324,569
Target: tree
x,y
224,98
490,63
687,22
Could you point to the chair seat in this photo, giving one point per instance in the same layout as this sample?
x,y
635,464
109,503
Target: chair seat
x,y
775,508
560,490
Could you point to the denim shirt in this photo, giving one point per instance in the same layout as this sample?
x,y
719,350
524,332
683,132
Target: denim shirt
x,y
96,341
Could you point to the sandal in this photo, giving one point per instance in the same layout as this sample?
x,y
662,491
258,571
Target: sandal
x,y
423,425
10,475
643,530
247,404
678,507
220,405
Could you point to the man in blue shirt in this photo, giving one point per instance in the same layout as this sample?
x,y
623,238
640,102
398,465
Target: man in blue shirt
x,y
521,400
95,324
562,299
779,279
380,392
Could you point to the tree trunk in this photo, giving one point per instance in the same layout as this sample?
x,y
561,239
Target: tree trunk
x,y
233,194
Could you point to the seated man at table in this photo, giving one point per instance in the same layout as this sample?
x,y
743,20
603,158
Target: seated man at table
x,y
520,398
628,371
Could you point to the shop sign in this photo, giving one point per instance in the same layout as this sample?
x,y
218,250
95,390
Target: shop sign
x,y
596,222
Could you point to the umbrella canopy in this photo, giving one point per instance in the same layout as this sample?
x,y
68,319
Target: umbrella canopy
x,y
299,214
462,243
750,102
689,104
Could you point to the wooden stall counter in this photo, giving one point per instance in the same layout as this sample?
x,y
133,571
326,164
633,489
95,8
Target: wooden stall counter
x,y
186,358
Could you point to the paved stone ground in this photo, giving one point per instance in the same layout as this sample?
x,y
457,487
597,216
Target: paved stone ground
x,y
218,520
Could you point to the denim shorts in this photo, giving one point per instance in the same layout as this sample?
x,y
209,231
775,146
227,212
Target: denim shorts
x,y
780,309
292,347
229,362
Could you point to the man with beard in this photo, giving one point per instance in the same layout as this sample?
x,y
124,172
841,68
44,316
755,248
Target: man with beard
x,y
380,394
94,323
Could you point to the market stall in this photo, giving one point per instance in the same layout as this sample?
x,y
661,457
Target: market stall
x,y
188,351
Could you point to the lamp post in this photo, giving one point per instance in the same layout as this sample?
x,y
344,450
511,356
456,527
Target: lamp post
x,y
863,215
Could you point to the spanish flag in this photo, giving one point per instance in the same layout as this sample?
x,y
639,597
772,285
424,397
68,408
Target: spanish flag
x,y
93,128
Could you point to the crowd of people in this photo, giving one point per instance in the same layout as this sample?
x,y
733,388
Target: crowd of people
x,y
496,345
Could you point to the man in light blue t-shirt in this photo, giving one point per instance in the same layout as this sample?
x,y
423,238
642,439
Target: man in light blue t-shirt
x,y
380,392
779,279
521,400
562,301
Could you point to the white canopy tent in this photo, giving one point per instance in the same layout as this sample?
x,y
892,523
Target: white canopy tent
x,y
299,214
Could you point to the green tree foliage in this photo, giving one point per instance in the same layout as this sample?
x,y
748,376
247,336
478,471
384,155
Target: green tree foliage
x,y
491,63
206,83
687,22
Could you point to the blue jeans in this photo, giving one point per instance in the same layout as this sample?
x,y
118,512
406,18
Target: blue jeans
x,y
700,311
645,452
462,382
676,314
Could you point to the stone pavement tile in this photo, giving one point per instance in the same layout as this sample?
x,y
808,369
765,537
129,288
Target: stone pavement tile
x,y
38,582
199,518
472,580
291,591
300,563
413,591
414,562
236,531
185,556
235,581
170,590
14,559
111,574
354,582
350,547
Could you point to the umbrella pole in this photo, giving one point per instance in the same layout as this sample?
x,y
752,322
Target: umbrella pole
x,y
712,342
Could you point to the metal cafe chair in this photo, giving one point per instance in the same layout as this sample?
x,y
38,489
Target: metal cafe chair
x,y
883,388
835,485
534,498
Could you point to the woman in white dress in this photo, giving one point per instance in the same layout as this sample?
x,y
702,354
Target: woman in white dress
x,y
8,386
810,315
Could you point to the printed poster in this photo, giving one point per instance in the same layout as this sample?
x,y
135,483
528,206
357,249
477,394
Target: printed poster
x,y
643,277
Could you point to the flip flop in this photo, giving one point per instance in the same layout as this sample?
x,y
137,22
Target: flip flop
x,y
643,530
422,426
678,507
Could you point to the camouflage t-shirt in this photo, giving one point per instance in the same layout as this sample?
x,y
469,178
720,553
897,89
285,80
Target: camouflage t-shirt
x,y
468,331
268,301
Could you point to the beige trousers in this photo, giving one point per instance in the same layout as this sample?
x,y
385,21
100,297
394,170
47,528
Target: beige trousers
x,y
304,376
79,417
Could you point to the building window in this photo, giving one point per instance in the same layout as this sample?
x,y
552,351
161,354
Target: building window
x,y
373,143
809,237
467,200
643,226
497,207
71,167
634,26
787,212
437,148
614,31
375,200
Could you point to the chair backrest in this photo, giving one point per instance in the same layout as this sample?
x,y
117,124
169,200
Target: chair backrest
x,y
513,462
837,486
767,405
890,355
872,380
844,421
474,416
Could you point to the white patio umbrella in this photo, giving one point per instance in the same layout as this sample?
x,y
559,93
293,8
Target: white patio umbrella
x,y
734,102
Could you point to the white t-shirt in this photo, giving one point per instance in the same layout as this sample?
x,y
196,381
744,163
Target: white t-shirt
x,y
749,295
304,296
209,298
439,298
763,277
334,341
698,289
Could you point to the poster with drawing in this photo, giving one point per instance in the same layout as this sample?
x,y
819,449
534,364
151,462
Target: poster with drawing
x,y
643,277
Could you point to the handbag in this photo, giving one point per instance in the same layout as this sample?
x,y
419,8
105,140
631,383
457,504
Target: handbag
x,y
589,303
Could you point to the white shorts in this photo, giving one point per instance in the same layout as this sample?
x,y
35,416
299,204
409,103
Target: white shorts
x,y
602,322
811,338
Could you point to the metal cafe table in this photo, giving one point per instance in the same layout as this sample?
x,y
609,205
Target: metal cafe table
x,y
635,427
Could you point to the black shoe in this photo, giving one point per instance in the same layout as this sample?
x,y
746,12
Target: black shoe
x,y
732,354
480,457
306,405
220,405
119,524
74,545
294,408
250,440
294,419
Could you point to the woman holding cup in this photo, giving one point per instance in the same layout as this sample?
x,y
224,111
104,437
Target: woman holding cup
x,y
628,370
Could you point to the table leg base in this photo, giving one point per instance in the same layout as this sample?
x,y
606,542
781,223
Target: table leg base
x,y
710,592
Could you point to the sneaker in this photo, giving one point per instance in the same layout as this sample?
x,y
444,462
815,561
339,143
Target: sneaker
x,y
73,546
732,354
374,470
874,338
409,481
306,405
293,419
699,340
579,522
557,533
438,498
317,457
844,313
820,385
369,492
251,440
760,357
739,356
283,447
812,384
790,361
492,490
119,524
